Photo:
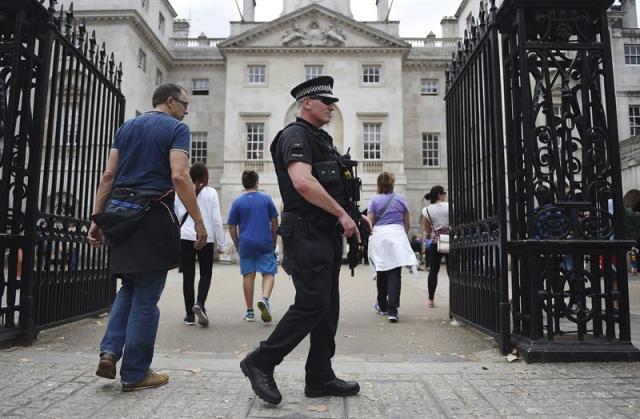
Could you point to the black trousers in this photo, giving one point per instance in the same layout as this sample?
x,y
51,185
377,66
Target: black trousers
x,y
188,264
389,284
313,255
435,258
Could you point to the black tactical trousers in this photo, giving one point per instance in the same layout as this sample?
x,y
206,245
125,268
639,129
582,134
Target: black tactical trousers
x,y
313,255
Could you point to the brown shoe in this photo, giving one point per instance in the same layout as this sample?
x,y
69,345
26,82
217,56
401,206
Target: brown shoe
x,y
107,366
151,380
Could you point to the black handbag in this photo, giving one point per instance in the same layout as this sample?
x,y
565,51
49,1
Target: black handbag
x,y
126,208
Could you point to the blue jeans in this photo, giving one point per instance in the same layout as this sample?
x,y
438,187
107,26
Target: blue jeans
x,y
133,323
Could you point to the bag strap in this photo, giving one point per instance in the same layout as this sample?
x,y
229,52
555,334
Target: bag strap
x,y
186,214
426,209
384,209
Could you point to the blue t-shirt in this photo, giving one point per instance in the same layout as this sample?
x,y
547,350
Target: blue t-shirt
x,y
143,145
395,211
253,212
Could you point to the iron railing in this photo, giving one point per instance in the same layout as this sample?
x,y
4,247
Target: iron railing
x,y
477,265
60,104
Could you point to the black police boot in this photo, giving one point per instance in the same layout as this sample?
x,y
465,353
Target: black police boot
x,y
335,387
262,381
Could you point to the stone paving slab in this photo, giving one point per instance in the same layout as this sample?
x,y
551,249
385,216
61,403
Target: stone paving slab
x,y
61,385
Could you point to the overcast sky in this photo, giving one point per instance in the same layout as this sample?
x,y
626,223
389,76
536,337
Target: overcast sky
x,y
417,17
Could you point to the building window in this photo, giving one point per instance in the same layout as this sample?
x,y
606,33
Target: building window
x,y
255,141
313,71
145,4
159,77
632,54
142,60
557,110
161,23
372,141
256,74
199,147
371,74
634,119
200,87
428,87
430,149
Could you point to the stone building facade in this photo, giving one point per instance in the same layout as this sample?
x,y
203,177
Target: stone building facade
x,y
391,113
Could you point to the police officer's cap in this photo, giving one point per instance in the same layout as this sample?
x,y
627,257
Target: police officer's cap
x,y
317,87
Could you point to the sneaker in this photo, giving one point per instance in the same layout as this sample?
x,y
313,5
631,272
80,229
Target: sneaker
x,y
201,314
393,318
107,366
249,316
151,380
190,320
265,312
376,307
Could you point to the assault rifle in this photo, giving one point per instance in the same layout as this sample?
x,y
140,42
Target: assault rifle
x,y
354,185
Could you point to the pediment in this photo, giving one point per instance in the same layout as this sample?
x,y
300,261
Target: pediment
x,y
314,26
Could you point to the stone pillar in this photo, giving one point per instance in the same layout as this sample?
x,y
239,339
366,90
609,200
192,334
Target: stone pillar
x,y
630,19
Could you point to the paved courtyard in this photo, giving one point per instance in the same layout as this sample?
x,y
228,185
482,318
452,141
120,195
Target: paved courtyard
x,y
421,367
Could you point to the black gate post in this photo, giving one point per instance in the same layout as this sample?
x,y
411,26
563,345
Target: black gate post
x,y
569,277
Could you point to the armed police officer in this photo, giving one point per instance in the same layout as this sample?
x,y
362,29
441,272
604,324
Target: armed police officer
x,y
312,181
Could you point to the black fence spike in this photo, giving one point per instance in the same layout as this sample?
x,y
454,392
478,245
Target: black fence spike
x,y
119,75
103,54
92,43
112,64
68,22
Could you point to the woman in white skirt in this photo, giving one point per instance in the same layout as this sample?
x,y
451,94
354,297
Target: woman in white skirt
x,y
389,248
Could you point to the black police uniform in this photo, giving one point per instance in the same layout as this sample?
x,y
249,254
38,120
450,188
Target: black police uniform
x,y
312,252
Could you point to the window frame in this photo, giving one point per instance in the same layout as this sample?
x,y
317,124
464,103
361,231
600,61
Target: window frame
x,y
424,92
142,60
161,23
310,66
426,150
249,152
249,75
202,142
365,66
200,91
629,56
634,120
367,141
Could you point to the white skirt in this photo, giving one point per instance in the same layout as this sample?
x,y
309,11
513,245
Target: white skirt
x,y
389,248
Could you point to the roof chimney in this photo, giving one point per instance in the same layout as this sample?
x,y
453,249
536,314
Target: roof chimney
x,y
249,10
383,10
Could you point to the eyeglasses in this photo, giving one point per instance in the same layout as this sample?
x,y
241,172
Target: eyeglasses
x,y
184,103
326,100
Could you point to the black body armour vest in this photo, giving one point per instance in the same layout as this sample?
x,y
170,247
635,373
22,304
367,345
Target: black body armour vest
x,y
326,167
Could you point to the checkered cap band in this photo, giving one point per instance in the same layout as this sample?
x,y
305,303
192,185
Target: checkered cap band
x,y
311,90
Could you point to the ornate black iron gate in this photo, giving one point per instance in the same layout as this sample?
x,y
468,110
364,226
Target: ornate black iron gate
x,y
60,103
478,261
569,294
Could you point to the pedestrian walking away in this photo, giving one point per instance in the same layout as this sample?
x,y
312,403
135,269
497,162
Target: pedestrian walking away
x,y
436,222
312,181
257,217
133,213
209,205
389,247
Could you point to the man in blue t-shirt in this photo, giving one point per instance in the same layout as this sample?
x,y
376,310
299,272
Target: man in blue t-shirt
x,y
257,217
148,160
